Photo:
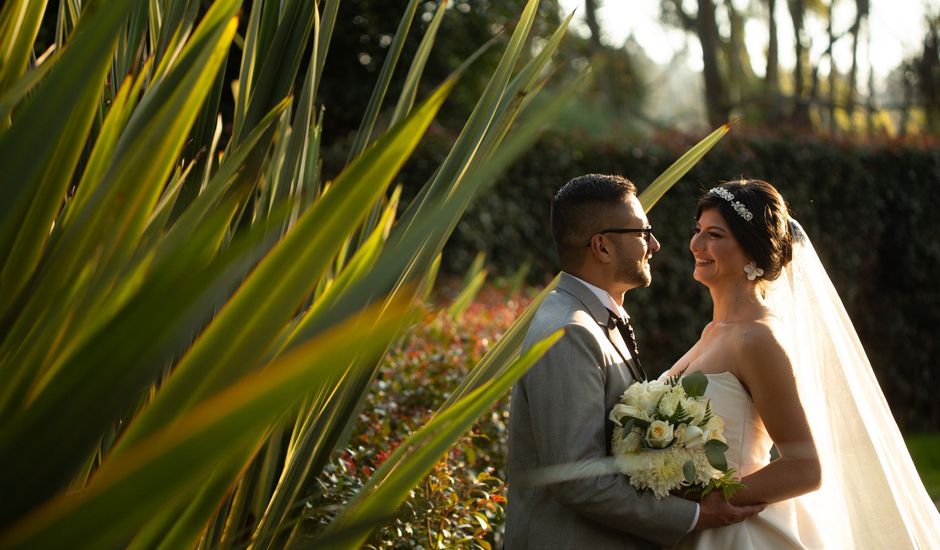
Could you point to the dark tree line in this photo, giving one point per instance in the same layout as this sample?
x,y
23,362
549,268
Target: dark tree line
x,y
803,97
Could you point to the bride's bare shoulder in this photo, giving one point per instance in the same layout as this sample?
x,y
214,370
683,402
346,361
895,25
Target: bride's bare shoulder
x,y
759,344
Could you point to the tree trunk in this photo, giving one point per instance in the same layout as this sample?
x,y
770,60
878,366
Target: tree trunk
x,y
801,107
928,77
590,16
715,92
772,72
741,77
833,73
908,100
861,11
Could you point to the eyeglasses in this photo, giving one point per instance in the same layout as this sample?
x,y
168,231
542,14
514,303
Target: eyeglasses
x,y
646,231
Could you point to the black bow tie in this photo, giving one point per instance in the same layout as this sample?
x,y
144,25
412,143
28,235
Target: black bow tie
x,y
626,332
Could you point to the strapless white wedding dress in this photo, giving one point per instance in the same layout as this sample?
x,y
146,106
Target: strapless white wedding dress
x,y
782,525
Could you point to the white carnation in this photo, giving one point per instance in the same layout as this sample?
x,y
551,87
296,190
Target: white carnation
x,y
622,446
659,471
671,400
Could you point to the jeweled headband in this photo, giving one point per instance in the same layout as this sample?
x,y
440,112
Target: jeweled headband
x,y
737,205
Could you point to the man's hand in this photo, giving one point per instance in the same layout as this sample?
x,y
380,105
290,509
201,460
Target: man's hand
x,y
715,511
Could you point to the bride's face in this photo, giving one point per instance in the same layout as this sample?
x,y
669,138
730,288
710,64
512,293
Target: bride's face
x,y
717,254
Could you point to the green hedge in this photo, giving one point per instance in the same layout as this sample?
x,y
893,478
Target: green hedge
x,y
871,210
460,503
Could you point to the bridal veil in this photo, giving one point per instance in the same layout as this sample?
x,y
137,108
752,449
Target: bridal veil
x,y
871,495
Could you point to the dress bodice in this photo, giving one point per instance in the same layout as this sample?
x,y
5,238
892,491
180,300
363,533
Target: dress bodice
x,y
784,525
748,441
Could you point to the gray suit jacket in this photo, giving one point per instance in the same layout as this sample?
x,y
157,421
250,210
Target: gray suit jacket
x,y
558,414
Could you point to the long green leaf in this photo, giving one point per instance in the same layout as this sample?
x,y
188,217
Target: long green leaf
x,y
501,354
275,76
19,24
407,250
103,152
19,89
412,460
103,378
162,466
485,167
402,254
409,89
467,294
651,195
327,22
381,87
249,65
310,440
304,137
245,328
475,129
112,221
63,106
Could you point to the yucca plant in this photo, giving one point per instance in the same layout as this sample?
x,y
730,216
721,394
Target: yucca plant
x,y
187,333
188,329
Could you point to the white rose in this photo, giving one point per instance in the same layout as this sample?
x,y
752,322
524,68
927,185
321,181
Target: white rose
x,y
620,410
715,425
645,395
714,434
695,407
656,390
659,434
692,437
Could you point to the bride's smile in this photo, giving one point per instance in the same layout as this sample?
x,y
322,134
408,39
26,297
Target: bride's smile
x,y
717,254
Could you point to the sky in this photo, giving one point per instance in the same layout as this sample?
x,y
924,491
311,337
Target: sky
x,y
896,28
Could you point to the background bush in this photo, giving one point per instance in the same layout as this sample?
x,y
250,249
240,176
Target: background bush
x,y
869,209
460,503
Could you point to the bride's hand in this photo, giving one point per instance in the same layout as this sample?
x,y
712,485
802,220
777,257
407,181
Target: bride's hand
x,y
715,511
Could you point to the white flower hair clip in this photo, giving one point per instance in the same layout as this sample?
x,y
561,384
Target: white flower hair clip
x,y
737,205
752,271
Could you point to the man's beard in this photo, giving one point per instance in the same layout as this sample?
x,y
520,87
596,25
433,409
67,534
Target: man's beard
x,y
635,275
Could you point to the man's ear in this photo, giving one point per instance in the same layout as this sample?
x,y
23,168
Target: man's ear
x,y
599,249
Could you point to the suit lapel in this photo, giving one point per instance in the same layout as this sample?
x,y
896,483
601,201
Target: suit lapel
x,y
601,315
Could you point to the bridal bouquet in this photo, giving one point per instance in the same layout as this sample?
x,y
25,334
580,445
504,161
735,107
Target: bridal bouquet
x,y
668,438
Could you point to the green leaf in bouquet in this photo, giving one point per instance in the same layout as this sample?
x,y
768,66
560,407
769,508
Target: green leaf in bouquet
x,y
688,470
715,452
681,416
695,384
632,423
726,483
708,414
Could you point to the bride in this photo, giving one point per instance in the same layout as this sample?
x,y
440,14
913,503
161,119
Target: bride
x,y
789,377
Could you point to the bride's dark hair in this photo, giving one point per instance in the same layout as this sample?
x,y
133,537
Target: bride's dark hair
x,y
766,237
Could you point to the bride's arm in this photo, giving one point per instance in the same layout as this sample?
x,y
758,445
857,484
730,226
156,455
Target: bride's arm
x,y
766,370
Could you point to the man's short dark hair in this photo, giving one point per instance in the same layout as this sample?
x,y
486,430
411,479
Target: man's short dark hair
x,y
578,211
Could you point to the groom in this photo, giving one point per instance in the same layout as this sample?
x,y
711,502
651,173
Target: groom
x,y
558,412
